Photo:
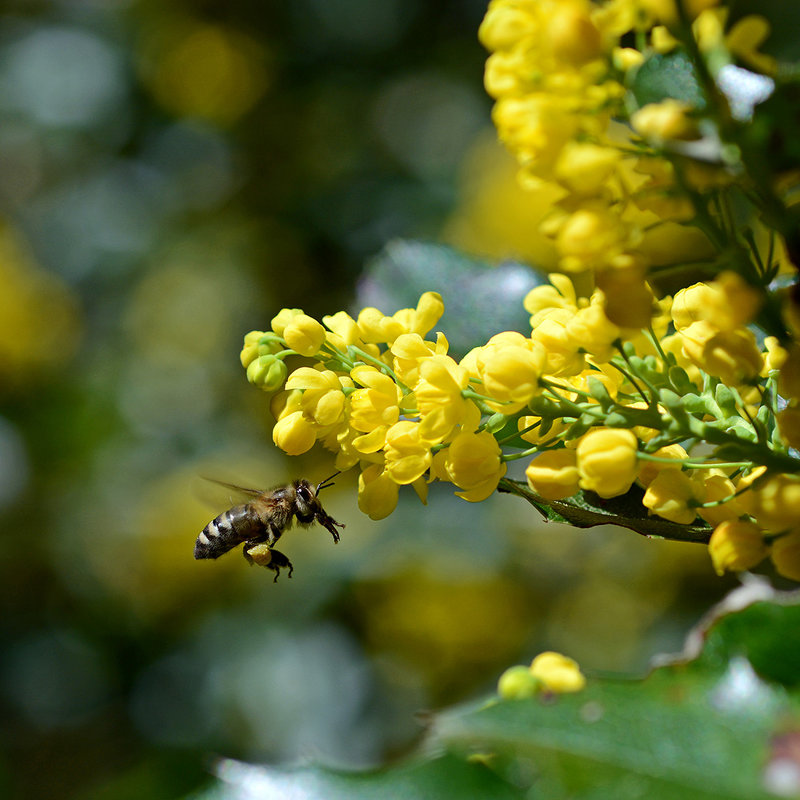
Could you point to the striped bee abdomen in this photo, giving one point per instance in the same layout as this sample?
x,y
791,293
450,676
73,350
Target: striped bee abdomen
x,y
234,526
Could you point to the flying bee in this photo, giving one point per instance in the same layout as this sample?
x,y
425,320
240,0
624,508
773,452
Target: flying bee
x,y
260,522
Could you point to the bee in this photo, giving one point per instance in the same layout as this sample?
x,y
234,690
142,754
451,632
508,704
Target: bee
x,y
260,522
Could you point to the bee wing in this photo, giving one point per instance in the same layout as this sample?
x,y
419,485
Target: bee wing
x,y
235,487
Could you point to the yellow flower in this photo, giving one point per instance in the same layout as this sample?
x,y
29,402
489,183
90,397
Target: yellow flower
x,y
373,409
584,168
344,329
563,357
509,365
571,34
294,434
506,23
557,672
736,545
648,470
713,488
553,474
439,399
672,495
410,350
377,492
544,300
473,464
377,328
591,237
668,119
407,454
727,303
732,356
595,332
323,399
607,461
304,335
744,39
283,318
775,503
786,555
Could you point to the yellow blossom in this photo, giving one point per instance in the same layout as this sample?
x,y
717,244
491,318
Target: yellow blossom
x,y
726,303
744,39
410,350
553,474
668,119
407,454
473,464
374,408
607,461
323,399
377,492
344,329
591,237
439,400
648,470
304,335
672,495
732,356
786,555
294,434
563,356
775,503
283,318
571,34
716,487
509,366
542,301
736,545
595,332
557,672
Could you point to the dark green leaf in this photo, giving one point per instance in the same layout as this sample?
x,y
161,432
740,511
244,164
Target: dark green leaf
x,y
671,75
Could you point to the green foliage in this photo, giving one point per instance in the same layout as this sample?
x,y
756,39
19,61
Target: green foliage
x,y
704,725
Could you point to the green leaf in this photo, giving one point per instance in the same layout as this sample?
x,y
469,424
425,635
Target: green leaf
x,y
423,779
703,729
587,509
671,75
709,723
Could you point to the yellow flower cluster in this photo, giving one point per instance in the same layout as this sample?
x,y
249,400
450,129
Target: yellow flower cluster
x,y
560,76
589,412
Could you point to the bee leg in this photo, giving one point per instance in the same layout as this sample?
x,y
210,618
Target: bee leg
x,y
279,562
257,551
258,546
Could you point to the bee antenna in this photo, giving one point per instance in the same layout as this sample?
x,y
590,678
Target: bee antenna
x,y
327,482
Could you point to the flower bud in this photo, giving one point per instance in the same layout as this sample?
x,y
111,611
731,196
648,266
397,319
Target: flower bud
x,y
267,372
517,683
786,555
294,434
736,546
557,672
554,474
304,335
607,461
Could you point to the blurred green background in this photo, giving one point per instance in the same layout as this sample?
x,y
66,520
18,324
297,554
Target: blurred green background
x,y
171,175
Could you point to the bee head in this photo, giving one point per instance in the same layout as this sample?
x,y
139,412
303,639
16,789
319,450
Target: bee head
x,y
308,505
